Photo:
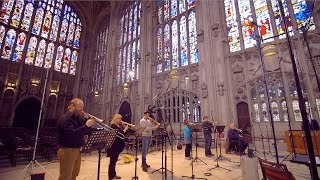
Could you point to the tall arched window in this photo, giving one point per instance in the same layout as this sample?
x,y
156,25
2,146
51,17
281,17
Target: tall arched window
x,y
100,61
242,15
40,33
128,65
176,34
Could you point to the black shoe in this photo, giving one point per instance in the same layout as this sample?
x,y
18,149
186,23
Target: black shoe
x,y
147,165
144,168
117,177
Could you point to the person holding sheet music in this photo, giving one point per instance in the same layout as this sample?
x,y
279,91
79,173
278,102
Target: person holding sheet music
x,y
235,137
72,128
117,146
207,131
145,123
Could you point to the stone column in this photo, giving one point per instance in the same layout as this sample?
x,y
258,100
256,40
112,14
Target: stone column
x,y
213,77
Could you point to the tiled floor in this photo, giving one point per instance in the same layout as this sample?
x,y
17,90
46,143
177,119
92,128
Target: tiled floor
x,y
181,167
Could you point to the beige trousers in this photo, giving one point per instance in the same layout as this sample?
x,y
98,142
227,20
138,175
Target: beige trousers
x,y
70,161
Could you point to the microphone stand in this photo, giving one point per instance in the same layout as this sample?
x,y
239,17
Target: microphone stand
x,y
268,139
293,151
262,139
313,165
259,39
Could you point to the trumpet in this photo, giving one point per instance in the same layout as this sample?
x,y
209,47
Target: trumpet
x,y
100,123
128,124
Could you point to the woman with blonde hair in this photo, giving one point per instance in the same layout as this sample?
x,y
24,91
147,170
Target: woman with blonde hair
x,y
117,146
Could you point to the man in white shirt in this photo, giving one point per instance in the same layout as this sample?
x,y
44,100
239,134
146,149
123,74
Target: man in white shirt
x,y
146,137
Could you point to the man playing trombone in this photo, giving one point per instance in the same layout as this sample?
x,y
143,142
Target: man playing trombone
x,y
71,130
145,123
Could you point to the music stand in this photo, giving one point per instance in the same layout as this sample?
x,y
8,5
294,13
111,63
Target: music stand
x,y
136,134
98,141
163,134
219,129
197,128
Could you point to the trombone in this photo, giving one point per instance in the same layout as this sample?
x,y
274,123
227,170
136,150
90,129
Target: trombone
x,y
100,123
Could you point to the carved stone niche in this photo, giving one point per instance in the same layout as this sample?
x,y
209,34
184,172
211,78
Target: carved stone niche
x,y
200,35
204,90
215,29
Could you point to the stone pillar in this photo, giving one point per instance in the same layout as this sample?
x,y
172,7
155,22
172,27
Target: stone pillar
x,y
213,77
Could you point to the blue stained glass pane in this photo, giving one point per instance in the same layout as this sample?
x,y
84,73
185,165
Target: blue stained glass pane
x,y
159,52
8,44
167,55
175,46
302,13
193,38
183,42
173,8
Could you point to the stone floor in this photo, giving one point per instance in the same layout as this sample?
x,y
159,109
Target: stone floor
x,y
181,167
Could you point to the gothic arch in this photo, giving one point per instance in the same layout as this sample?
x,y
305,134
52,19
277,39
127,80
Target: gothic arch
x,y
26,113
125,111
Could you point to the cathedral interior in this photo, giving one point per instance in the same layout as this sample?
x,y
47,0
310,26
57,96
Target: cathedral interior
x,y
233,61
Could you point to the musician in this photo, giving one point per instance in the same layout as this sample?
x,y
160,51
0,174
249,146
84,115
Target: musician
x,y
146,134
117,146
71,130
207,131
235,137
187,139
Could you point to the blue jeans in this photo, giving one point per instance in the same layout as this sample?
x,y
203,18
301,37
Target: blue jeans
x,y
208,143
145,146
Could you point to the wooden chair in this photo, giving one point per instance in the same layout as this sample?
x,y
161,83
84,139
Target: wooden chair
x,y
275,171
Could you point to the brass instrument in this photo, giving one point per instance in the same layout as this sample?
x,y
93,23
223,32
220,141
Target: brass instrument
x,y
128,124
153,120
100,123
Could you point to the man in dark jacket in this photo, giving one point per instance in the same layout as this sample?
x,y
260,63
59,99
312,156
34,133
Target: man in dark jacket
x,y
71,130
207,131
235,138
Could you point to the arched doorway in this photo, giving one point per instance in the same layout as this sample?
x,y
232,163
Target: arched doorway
x,y
125,111
27,114
243,117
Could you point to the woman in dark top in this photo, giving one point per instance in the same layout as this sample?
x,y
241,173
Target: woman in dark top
x,y
117,146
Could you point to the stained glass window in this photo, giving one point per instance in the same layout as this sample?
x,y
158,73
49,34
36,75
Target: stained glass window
x,y
318,106
275,111
42,19
100,60
256,112
232,25
254,17
284,110
264,112
293,89
128,62
296,110
176,34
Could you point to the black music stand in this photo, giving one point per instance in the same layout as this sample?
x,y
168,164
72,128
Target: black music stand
x,y
164,135
197,128
219,130
136,134
98,141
